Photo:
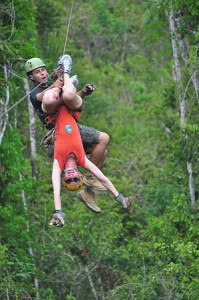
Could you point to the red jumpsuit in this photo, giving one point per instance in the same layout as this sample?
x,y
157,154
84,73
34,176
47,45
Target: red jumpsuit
x,y
67,139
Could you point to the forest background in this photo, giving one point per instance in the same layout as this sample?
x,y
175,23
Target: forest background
x,y
143,57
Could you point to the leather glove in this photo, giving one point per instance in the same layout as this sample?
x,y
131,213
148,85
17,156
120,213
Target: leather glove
x,y
58,219
125,201
56,73
88,89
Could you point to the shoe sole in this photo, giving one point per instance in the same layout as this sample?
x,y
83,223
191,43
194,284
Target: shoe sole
x,y
96,188
79,196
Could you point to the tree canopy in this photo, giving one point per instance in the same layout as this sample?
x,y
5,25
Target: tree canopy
x,y
143,58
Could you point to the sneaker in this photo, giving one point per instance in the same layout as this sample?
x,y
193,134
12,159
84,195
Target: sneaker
x,y
65,62
94,182
58,218
87,197
74,80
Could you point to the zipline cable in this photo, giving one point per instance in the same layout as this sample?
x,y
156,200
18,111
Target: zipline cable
x,y
67,33
24,97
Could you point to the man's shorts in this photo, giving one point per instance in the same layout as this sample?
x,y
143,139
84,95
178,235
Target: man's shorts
x,y
89,135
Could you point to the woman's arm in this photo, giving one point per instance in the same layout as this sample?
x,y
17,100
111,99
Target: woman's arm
x,y
102,178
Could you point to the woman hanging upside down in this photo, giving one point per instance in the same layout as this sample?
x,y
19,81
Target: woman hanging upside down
x,y
68,154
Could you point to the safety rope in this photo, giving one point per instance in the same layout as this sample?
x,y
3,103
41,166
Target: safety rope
x,y
18,102
24,97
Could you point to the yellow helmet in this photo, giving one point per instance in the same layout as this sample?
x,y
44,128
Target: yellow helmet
x,y
74,184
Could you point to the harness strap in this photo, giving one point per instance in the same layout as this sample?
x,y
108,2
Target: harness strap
x,y
51,119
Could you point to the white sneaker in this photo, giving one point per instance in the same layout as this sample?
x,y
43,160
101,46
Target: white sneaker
x,y
65,62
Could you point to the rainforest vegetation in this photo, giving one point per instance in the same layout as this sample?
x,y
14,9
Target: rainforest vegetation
x,y
143,56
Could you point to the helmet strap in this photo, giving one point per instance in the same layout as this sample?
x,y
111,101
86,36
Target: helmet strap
x,y
31,77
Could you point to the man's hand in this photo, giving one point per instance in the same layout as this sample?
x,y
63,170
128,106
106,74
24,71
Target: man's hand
x,y
88,89
59,83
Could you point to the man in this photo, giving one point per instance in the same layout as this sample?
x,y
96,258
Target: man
x,y
46,97
68,154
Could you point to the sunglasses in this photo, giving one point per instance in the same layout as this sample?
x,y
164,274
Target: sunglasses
x,y
70,180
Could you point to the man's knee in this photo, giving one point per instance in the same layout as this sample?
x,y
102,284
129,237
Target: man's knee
x,y
104,138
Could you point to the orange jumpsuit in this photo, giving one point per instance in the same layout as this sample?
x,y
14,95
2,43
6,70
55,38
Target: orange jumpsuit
x,y
67,139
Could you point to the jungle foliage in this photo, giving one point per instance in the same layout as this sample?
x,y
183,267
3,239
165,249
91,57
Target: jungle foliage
x,y
125,48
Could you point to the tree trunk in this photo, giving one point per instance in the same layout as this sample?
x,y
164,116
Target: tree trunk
x,y
32,131
184,49
91,283
5,118
33,163
36,282
101,288
177,68
191,183
176,40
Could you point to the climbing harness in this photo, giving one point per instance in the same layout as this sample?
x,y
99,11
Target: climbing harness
x,y
51,119
48,139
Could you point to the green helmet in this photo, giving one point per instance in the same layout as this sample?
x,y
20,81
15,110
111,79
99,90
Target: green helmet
x,y
33,64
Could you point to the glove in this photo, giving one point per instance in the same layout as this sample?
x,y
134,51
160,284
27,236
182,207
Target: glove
x,y
88,89
125,201
56,73
58,218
